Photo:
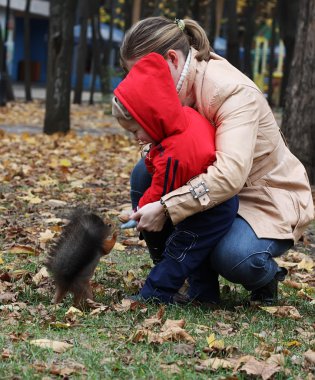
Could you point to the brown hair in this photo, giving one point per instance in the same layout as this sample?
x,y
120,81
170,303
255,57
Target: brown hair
x,y
159,34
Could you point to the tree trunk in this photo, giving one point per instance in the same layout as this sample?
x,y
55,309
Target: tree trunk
x,y
250,15
299,113
182,9
128,14
136,11
62,16
287,17
2,82
82,49
272,45
6,90
232,41
27,52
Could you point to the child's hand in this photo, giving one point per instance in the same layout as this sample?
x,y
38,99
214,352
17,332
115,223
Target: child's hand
x,y
150,217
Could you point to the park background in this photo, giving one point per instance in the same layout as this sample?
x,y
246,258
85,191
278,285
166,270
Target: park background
x,y
60,148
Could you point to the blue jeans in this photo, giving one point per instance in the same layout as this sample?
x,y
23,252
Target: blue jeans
x,y
187,251
240,256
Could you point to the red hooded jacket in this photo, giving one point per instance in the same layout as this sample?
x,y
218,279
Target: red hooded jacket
x,y
184,139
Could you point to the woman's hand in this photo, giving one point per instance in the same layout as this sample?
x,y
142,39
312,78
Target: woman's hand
x,y
150,217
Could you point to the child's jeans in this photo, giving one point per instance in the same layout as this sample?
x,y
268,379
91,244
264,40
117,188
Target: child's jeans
x,y
187,254
240,256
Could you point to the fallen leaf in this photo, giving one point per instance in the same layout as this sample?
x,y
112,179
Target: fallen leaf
x,y
21,249
40,276
65,162
170,368
215,343
176,333
60,325
309,356
282,311
46,236
55,345
173,334
170,323
184,349
119,247
259,368
307,264
129,305
216,363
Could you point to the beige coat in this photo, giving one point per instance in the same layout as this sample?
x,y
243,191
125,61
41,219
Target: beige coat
x,y
252,159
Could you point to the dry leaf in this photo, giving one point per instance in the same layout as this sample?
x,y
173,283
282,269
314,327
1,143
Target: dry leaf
x,y
258,368
46,236
173,334
216,363
170,368
282,311
307,264
72,312
170,323
310,356
176,333
119,247
129,305
40,276
55,345
60,325
22,249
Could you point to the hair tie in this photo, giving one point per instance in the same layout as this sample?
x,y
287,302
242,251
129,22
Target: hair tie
x,y
180,23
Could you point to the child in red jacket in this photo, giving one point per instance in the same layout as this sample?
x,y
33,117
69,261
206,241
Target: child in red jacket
x,y
182,146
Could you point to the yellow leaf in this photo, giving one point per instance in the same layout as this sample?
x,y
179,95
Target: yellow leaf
x,y
72,311
65,162
60,325
293,343
214,343
1,260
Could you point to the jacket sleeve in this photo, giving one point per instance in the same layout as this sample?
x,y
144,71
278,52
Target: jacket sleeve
x,y
163,178
236,120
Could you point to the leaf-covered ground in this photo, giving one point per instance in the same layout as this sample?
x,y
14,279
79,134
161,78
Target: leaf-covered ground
x,y
42,178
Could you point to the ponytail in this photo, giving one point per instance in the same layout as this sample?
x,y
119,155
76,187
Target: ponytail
x,y
159,34
198,39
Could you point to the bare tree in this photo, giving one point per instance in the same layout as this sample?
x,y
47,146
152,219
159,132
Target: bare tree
x,y
62,17
287,17
82,50
299,113
249,14
27,52
232,40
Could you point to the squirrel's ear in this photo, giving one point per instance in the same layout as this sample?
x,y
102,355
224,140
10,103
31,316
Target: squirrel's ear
x,y
108,244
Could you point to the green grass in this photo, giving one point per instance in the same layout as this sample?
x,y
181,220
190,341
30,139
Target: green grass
x,y
102,344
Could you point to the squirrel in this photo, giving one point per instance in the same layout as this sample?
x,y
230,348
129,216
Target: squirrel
x,y
75,255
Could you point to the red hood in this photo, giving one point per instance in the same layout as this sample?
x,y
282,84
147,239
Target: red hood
x,y
149,94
